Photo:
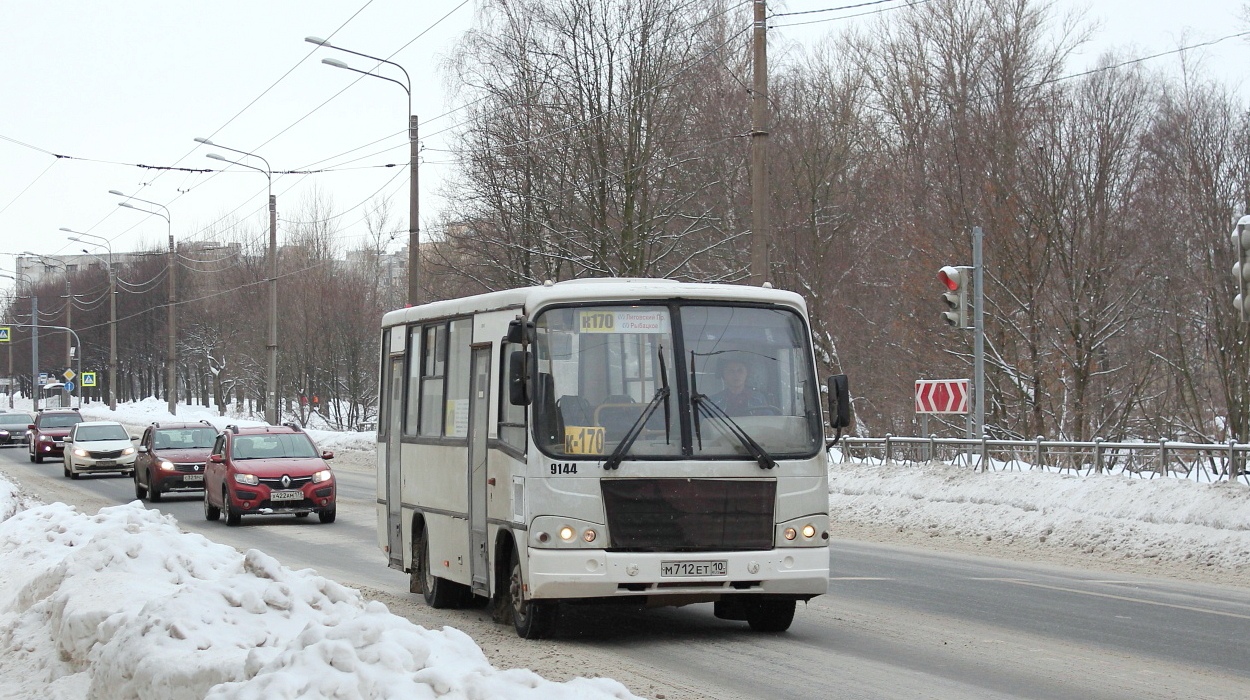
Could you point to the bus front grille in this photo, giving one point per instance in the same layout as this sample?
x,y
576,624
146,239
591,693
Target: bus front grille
x,y
689,515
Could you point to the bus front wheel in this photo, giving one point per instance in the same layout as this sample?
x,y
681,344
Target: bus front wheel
x,y
438,592
532,619
770,615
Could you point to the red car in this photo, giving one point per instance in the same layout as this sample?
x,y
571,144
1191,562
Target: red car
x,y
172,458
47,433
267,470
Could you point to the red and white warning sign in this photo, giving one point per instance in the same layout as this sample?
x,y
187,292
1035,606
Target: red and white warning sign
x,y
942,395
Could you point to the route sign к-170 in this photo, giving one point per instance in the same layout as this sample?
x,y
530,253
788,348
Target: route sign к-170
x,y
942,395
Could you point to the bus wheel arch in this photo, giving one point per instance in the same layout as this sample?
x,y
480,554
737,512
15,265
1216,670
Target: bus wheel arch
x,y
501,571
532,619
438,592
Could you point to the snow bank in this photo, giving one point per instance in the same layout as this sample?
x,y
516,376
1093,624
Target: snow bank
x,y
1165,519
124,605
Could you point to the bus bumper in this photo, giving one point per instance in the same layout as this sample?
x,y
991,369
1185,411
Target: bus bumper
x,y
799,572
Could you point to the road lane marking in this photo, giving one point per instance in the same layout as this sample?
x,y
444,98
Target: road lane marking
x,y
1129,599
859,578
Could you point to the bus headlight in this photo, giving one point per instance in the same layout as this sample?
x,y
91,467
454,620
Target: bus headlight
x,y
808,531
552,532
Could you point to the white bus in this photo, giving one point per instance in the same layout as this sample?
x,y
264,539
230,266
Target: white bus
x,y
587,441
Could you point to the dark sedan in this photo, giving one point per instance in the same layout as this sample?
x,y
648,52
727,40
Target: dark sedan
x,y
13,427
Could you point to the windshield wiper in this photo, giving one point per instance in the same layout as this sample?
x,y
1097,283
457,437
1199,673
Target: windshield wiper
x,y
661,394
704,404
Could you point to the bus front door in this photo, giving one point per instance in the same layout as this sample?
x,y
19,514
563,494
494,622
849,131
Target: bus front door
x,y
394,469
479,410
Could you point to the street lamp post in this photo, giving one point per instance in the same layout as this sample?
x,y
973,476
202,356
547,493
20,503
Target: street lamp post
x,y
414,209
271,380
112,308
171,352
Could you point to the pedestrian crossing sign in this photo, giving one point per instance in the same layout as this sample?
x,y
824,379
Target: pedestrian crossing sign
x,y
88,378
4,334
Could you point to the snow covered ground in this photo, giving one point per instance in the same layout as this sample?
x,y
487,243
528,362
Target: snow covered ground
x,y
122,604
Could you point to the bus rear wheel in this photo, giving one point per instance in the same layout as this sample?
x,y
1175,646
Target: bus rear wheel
x,y
532,619
438,592
770,615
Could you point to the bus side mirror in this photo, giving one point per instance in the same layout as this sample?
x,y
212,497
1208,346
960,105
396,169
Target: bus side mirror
x,y
518,329
518,388
839,402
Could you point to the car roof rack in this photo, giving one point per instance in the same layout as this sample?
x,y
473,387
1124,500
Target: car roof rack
x,y
233,428
293,426
207,423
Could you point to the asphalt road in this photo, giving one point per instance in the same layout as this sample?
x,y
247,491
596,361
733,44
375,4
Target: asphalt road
x,y
898,622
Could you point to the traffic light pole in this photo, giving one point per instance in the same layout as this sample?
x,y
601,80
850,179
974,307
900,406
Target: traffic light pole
x,y
978,324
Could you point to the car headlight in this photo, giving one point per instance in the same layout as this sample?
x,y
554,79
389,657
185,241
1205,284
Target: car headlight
x,y
44,438
249,479
323,475
128,451
167,465
80,453
4,433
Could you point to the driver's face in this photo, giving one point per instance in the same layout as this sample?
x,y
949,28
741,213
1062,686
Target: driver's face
x,y
735,376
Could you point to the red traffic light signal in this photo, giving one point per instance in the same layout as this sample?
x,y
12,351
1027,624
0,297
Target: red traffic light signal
x,y
958,281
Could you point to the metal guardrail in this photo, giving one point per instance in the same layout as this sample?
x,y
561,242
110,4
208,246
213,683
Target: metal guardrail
x,y
1185,460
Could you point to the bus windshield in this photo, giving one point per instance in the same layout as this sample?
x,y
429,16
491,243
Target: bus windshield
x,y
733,370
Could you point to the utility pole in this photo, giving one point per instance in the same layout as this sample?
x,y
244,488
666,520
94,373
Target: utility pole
x,y
414,215
272,411
112,335
172,352
759,150
34,347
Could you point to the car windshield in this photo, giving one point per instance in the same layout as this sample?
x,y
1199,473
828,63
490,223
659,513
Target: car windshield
x,y
91,433
60,421
22,419
269,446
184,439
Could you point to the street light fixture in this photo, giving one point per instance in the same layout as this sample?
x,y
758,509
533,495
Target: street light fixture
x,y
171,352
271,380
414,209
108,245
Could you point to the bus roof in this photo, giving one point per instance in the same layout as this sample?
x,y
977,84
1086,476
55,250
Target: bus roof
x,y
608,289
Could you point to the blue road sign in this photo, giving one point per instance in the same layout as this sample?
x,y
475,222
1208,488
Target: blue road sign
x,y
69,387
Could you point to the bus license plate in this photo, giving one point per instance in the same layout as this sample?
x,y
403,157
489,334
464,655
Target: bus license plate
x,y
286,495
192,477
693,568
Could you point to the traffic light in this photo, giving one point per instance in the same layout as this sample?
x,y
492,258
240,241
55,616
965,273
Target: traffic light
x,y
1241,269
958,281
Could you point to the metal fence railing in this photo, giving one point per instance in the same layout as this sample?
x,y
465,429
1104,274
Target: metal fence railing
x,y
1183,460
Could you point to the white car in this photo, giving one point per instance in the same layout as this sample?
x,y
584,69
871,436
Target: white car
x,y
98,446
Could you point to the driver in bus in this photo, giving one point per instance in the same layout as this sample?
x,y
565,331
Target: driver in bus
x,y
738,399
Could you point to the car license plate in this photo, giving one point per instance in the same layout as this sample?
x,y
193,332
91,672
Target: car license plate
x,y
286,495
694,568
192,477
105,463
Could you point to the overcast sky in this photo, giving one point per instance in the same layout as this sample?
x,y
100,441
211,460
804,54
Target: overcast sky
x,y
115,86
